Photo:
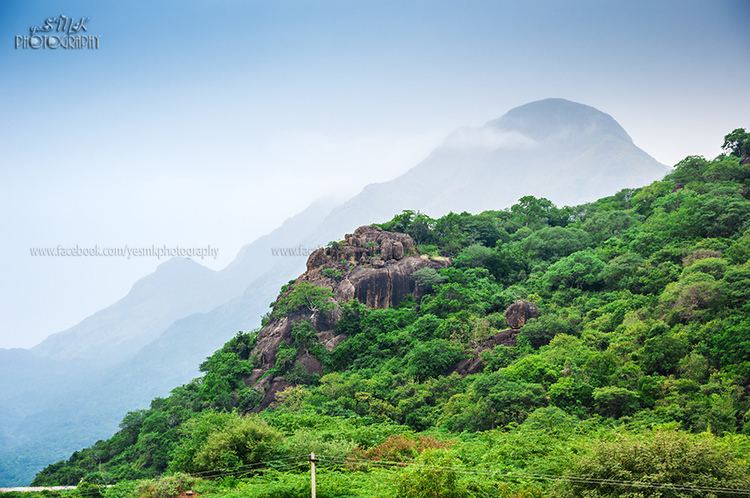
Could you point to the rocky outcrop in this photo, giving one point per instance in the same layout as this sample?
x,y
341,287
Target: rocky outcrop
x,y
518,313
371,265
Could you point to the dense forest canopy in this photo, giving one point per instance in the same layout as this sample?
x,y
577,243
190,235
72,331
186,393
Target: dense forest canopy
x,y
634,380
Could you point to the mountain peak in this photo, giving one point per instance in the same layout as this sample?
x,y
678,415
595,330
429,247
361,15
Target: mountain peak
x,y
559,118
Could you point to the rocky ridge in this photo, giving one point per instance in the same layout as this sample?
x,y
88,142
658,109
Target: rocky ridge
x,y
371,265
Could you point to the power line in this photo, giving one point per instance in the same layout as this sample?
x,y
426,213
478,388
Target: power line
x,y
291,462
573,478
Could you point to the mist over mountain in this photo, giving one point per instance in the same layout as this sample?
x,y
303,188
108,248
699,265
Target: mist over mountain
x,y
586,151
152,340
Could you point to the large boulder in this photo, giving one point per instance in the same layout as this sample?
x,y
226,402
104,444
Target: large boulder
x,y
518,313
371,265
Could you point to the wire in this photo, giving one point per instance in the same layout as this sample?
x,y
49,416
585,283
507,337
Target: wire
x,y
217,472
291,462
573,478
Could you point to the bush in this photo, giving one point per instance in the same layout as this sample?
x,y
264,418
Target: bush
x,y
303,296
613,401
553,243
693,297
432,358
659,458
332,273
400,448
168,486
224,441
539,331
427,279
433,476
89,490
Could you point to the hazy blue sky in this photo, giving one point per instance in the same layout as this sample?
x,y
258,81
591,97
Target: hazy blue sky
x,y
210,123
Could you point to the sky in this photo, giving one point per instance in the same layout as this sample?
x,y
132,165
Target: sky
x,y
209,123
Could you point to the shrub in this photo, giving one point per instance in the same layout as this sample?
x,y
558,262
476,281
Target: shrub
x,y
692,297
427,279
332,273
400,448
539,331
433,476
432,358
715,267
659,458
224,441
303,296
168,486
613,401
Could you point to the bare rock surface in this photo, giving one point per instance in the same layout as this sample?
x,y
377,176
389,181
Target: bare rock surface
x,y
371,265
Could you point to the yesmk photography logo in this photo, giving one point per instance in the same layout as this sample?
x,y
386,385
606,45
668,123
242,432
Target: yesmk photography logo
x,y
61,32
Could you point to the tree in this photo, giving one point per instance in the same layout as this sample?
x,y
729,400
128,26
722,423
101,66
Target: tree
x,y
539,331
613,401
623,271
303,296
737,143
581,270
427,279
553,243
224,441
418,225
691,298
432,358
662,353
535,213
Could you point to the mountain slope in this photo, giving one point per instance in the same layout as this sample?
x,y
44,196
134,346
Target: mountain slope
x,y
588,153
577,341
74,387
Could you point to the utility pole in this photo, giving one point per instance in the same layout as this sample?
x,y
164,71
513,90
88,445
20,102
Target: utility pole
x,y
312,474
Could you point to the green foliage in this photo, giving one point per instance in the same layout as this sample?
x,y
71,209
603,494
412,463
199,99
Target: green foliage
x,y
613,401
580,270
553,243
636,370
169,486
540,331
332,273
243,441
89,490
223,441
737,143
432,358
427,279
659,457
433,476
303,296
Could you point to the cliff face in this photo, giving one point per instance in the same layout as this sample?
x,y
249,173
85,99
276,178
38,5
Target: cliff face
x,y
371,265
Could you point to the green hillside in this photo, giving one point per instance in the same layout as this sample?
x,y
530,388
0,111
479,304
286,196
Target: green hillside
x,y
634,379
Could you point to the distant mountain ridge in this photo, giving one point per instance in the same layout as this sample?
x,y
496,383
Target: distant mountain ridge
x,y
554,148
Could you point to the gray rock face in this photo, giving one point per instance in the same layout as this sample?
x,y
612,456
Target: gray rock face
x,y
372,266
